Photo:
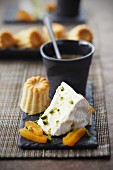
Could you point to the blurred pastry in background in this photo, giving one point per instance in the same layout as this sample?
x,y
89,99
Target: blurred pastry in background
x,y
58,30
51,7
7,39
80,32
24,16
29,38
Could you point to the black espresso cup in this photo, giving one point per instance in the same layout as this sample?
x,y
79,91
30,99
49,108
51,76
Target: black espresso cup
x,y
67,8
72,71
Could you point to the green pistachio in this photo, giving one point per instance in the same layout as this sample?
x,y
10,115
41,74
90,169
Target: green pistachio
x,y
62,88
61,98
45,122
73,127
44,117
51,111
30,128
87,132
50,138
71,102
40,114
57,121
36,121
49,131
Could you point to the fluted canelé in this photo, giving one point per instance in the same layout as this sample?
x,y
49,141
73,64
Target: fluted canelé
x,y
35,97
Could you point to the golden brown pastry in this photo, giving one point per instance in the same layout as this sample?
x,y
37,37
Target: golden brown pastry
x,y
58,30
24,16
7,40
80,32
35,97
51,7
29,38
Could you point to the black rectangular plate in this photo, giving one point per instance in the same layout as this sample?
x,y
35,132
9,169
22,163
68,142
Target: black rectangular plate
x,y
16,53
11,11
85,142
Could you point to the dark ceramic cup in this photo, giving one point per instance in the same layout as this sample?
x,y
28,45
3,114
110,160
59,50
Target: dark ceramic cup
x,y
67,8
72,71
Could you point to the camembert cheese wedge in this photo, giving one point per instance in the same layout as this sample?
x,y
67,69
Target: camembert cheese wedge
x,y
67,109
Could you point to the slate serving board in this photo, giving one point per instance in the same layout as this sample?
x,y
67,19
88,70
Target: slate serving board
x,y
12,9
85,142
16,53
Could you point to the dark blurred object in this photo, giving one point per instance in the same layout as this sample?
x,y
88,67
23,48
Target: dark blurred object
x,y
68,8
69,12
19,54
65,11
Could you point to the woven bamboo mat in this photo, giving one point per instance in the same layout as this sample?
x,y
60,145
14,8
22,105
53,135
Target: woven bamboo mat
x,y
12,76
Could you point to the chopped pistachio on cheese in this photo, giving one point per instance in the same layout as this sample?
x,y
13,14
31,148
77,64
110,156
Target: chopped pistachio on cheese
x,y
62,88
61,98
51,111
57,121
71,102
73,108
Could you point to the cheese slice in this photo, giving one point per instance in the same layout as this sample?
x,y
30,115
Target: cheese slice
x,y
67,109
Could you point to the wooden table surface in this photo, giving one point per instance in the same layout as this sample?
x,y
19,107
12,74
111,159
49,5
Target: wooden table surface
x,y
100,17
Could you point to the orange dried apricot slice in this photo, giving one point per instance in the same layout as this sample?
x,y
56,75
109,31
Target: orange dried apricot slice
x,y
35,127
73,137
24,16
28,134
92,109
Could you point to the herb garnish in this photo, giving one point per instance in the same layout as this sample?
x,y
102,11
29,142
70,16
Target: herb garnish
x,y
71,102
87,132
30,128
49,131
57,121
50,138
40,114
45,122
44,117
51,111
58,110
61,98
73,127
36,121
62,88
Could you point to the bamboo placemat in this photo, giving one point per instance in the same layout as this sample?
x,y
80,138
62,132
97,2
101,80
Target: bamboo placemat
x,y
12,76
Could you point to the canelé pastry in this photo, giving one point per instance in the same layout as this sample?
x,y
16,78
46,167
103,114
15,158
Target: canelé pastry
x,y
30,38
35,97
80,32
24,16
7,40
51,7
58,30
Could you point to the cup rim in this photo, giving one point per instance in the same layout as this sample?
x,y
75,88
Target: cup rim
x,y
67,60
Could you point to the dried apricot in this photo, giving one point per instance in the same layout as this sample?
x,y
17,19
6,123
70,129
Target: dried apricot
x,y
35,127
28,134
73,137
92,109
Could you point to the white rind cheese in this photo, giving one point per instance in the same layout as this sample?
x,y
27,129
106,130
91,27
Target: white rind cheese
x,y
66,109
